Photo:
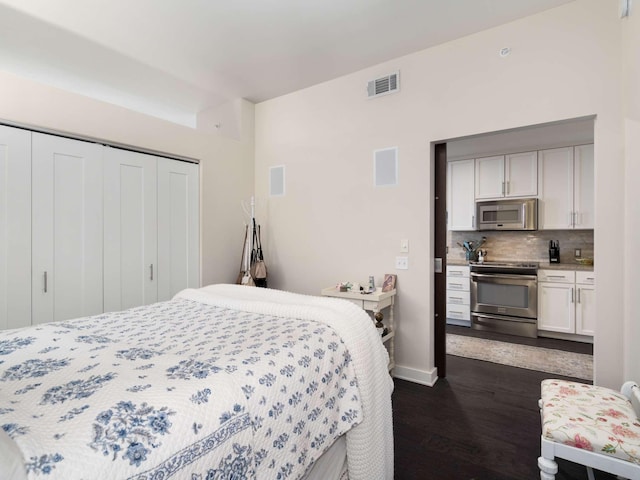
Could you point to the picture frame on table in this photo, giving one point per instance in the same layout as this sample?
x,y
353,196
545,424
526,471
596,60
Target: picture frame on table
x,y
389,282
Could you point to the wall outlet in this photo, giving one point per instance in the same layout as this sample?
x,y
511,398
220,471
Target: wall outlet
x,y
402,263
578,253
404,246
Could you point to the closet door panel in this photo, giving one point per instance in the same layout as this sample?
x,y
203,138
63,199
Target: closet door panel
x,y
130,230
15,227
67,222
178,227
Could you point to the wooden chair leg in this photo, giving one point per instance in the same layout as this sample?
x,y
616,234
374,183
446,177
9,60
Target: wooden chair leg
x,y
548,468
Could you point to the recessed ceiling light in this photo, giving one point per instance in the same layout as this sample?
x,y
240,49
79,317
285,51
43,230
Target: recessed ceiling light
x,y
505,51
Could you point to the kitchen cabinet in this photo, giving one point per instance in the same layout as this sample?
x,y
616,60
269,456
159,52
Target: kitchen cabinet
x,y
15,227
67,222
461,195
566,302
585,303
566,184
458,295
506,176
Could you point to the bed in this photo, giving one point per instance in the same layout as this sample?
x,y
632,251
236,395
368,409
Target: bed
x,y
222,382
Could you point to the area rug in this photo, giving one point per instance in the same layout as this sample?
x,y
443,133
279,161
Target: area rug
x,y
568,364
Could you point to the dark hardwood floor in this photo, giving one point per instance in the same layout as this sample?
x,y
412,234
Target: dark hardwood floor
x,y
482,422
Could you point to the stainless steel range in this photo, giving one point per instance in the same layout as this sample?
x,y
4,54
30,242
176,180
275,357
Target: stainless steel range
x,y
504,297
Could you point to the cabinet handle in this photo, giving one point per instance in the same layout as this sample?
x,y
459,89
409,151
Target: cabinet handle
x,y
455,273
473,221
507,188
45,282
151,268
578,301
455,312
572,299
502,188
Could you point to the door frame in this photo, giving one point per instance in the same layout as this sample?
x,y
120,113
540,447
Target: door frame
x,y
440,251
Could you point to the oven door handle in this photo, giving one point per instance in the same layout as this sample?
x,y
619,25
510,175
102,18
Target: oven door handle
x,y
496,276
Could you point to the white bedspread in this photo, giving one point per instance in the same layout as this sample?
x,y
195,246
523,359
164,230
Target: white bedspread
x,y
369,444
224,380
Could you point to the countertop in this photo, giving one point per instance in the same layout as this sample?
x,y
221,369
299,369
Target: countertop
x,y
541,265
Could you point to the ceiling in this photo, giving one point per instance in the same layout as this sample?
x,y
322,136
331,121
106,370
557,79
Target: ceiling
x,y
175,58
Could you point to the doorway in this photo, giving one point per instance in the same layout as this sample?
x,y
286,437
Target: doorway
x,y
533,138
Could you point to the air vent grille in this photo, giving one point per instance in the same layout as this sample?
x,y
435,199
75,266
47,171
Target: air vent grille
x,y
383,85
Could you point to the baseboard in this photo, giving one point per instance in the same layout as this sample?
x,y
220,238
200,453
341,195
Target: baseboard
x,y
428,378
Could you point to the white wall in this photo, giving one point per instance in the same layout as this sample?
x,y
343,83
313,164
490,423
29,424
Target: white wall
x,y
631,81
334,225
226,175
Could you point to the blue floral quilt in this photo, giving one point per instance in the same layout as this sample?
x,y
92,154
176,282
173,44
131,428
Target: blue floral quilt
x,y
178,389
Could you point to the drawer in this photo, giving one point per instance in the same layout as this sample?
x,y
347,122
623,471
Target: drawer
x,y
458,298
458,271
586,278
460,312
460,284
557,276
357,303
372,305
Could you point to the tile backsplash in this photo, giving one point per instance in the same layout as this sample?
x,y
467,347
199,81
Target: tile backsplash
x,y
523,246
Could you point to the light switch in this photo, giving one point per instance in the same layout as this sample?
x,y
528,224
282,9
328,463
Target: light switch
x,y
404,245
402,263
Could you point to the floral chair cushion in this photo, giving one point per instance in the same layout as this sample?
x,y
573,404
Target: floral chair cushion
x,y
592,418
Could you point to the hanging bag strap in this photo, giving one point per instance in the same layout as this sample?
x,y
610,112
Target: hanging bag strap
x,y
244,251
260,255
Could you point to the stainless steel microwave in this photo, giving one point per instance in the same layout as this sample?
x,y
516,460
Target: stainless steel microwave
x,y
507,214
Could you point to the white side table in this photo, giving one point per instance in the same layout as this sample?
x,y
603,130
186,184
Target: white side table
x,y
373,302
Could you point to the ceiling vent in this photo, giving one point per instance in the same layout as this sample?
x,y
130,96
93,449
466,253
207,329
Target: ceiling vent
x,y
383,85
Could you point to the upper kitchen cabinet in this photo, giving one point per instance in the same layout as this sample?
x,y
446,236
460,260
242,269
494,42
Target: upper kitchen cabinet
x,y
565,180
504,176
460,195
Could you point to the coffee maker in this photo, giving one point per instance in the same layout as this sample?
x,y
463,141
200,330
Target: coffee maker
x,y
554,251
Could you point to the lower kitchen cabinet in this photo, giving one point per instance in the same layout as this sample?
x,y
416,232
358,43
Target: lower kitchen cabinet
x,y
566,302
458,302
585,303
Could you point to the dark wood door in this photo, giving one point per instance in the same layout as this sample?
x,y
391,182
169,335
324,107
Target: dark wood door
x,y
440,252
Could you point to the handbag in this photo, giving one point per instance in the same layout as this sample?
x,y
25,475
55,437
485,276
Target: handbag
x,y
258,266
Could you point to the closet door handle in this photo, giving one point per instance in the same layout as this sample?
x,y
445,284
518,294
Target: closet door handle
x,y
45,282
151,269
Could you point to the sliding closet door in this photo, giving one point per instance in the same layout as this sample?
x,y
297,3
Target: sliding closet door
x,y
130,229
15,227
67,228
178,227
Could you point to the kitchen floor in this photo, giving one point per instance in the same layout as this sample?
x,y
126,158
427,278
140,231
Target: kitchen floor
x,y
564,345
